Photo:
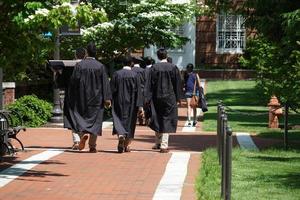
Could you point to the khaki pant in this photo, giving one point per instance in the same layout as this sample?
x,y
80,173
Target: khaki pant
x,y
162,139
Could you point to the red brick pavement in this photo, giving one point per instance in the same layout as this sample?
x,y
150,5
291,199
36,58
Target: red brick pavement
x,y
104,175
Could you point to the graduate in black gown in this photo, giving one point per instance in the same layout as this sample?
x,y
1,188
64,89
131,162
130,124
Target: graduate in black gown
x,y
164,93
127,102
147,108
88,93
63,79
141,72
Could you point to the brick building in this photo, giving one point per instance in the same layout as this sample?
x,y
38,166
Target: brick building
x,y
215,42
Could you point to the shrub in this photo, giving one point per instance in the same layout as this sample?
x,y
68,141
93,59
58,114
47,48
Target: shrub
x,y
278,71
32,110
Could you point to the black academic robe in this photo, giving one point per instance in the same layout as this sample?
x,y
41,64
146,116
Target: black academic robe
x,y
88,89
142,76
127,98
164,90
62,81
147,107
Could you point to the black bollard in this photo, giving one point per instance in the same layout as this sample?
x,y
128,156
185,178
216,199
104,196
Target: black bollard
x,y
219,130
228,163
221,133
223,153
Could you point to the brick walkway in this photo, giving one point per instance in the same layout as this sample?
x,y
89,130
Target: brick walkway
x,y
106,174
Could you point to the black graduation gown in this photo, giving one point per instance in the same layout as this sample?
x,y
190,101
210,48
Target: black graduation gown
x,y
127,97
142,76
88,89
62,81
147,107
164,90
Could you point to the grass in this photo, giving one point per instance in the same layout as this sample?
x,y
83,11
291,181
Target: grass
x,y
278,134
293,137
249,113
270,174
208,181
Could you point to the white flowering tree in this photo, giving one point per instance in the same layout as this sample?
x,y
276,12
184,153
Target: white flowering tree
x,y
117,26
49,16
24,47
136,24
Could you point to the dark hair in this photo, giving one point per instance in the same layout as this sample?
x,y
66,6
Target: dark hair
x,y
189,67
137,59
148,60
162,53
80,53
91,49
127,60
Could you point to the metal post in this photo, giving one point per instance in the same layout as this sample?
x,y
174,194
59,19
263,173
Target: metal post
x,y
221,133
228,163
218,129
57,110
286,123
223,166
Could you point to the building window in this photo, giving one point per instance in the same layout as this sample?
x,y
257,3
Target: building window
x,y
231,34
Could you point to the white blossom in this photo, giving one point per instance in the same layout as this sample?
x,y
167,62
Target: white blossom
x,y
179,1
105,25
42,11
156,14
101,26
66,4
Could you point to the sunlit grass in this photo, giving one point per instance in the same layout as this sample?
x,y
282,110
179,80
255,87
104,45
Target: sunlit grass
x,y
270,174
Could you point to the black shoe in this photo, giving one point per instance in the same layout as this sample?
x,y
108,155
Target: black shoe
x,y
194,123
164,151
93,150
189,124
156,146
121,144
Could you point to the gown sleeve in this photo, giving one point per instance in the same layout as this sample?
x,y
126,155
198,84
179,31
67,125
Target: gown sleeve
x,y
148,86
106,87
139,100
177,85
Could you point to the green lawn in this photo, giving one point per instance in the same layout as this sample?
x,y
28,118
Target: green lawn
x,y
278,134
249,113
270,174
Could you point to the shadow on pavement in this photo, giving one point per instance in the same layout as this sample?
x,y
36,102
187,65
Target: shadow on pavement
x,y
186,142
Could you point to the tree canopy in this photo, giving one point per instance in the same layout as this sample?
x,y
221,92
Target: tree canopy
x,y
117,27
274,52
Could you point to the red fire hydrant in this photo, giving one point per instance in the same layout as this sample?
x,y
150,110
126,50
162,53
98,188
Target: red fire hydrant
x,y
275,111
